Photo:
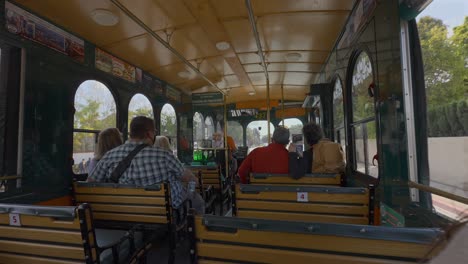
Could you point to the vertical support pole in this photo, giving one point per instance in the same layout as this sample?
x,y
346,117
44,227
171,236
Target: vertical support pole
x,y
192,237
282,104
170,224
19,165
233,199
371,204
268,108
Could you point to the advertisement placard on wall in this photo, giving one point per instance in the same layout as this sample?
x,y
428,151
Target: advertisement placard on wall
x,y
29,26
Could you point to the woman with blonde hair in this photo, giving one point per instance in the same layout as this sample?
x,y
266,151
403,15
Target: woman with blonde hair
x,y
163,142
108,139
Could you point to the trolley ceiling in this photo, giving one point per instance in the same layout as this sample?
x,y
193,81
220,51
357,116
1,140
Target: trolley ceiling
x,y
296,35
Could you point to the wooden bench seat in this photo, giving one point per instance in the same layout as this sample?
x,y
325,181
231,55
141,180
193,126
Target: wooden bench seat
x,y
124,206
308,179
211,177
217,239
329,204
61,234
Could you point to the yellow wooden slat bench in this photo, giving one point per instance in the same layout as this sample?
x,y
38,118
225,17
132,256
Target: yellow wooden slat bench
x,y
60,234
329,204
211,176
123,206
307,179
216,239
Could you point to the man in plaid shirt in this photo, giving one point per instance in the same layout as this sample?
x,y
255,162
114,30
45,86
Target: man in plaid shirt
x,y
150,166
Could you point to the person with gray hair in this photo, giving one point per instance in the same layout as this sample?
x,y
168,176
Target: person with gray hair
x,y
324,156
270,159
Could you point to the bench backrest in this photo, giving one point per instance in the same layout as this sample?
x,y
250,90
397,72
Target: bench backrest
x,y
308,179
125,203
329,204
47,234
231,239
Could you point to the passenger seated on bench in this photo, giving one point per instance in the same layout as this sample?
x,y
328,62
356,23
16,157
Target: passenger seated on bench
x,y
324,156
149,166
163,142
108,139
270,159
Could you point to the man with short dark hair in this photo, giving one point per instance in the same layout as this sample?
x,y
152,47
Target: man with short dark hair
x,y
151,165
270,159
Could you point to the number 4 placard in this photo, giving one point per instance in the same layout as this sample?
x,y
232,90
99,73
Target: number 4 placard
x,y
15,220
302,197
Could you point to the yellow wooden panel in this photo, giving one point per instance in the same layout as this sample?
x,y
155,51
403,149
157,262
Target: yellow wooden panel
x,y
322,218
6,258
210,181
263,255
315,242
290,112
304,207
129,209
313,197
286,179
42,249
117,191
85,198
41,221
156,219
58,236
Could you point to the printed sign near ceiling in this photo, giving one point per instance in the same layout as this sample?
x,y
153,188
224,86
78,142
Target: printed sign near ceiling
x,y
172,93
358,18
207,98
150,83
27,25
110,64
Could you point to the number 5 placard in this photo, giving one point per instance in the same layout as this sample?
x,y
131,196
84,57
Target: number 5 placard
x,y
302,197
15,220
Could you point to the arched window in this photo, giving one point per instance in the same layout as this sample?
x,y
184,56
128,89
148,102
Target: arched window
x,y
363,117
139,105
95,110
198,129
293,124
169,125
209,128
257,134
235,130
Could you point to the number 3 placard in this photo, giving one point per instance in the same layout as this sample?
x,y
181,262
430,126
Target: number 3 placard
x,y
15,220
302,197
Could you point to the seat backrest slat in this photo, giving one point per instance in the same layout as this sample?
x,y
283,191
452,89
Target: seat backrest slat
x,y
124,203
307,241
46,234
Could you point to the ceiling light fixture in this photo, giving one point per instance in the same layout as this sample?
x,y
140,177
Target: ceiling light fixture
x,y
293,56
251,93
104,17
223,45
184,74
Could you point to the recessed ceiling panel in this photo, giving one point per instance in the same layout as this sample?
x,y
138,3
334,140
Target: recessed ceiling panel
x,y
302,31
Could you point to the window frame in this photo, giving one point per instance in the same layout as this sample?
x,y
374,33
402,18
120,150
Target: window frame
x,y
92,131
351,150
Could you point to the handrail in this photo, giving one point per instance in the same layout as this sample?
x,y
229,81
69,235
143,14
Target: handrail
x,y
439,192
13,177
164,43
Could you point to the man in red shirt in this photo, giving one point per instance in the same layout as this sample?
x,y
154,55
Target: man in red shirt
x,y
270,159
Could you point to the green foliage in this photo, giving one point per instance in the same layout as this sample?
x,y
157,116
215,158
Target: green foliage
x,y
448,120
88,116
444,61
462,113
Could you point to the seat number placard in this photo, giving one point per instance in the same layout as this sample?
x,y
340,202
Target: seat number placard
x,y
15,220
302,197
